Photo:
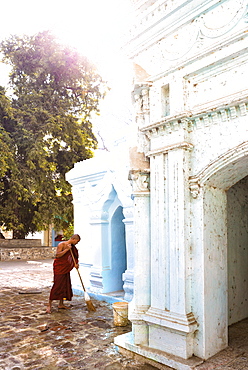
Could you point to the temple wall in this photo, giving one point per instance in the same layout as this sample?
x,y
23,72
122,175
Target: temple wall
x,y
191,122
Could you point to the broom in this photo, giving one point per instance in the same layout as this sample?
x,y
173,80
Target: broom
x,y
89,304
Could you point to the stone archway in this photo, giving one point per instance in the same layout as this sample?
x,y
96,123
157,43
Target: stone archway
x,y
118,250
110,244
223,237
237,243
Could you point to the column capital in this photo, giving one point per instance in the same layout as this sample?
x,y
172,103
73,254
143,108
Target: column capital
x,y
140,181
194,188
182,145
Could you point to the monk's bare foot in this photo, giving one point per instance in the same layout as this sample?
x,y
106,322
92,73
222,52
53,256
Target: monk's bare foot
x,y
48,310
64,307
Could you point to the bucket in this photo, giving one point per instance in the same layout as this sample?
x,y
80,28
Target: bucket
x,y
120,310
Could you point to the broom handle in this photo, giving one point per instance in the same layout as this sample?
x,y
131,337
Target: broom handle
x,y
77,270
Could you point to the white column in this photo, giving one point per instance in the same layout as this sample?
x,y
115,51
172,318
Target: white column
x,y
170,318
160,278
99,224
178,219
127,276
81,227
141,300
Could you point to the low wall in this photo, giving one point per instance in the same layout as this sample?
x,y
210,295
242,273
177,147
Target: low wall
x,y
24,249
20,243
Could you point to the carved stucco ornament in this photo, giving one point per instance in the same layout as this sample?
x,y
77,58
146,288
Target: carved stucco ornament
x,y
215,23
140,181
141,102
179,43
194,188
142,108
222,172
222,18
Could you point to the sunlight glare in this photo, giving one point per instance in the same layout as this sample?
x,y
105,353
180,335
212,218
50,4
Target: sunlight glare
x,y
93,27
97,29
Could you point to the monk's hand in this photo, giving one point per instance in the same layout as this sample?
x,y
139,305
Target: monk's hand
x,y
77,266
69,246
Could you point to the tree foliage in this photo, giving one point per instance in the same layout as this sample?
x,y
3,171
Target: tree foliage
x,y
45,127
6,150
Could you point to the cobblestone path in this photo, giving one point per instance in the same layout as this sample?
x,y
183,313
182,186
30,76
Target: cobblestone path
x,y
74,339
65,339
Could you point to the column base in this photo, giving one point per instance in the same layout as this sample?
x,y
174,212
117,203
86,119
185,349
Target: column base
x,y
154,357
170,332
96,280
127,278
171,341
172,320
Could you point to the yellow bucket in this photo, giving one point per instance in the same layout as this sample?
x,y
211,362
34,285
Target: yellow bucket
x,y
120,310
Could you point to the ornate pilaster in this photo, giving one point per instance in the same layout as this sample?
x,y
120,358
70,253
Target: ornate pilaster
x,y
127,276
140,182
170,315
141,302
194,188
141,101
99,224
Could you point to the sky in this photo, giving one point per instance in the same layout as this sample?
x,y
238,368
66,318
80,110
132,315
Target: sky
x,y
94,27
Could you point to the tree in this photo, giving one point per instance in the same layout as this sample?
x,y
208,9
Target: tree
x,y
54,93
6,158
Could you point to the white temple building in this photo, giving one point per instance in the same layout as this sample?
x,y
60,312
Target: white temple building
x,y
185,205
103,216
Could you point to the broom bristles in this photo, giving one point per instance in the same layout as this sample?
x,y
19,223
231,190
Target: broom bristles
x,y
90,306
86,296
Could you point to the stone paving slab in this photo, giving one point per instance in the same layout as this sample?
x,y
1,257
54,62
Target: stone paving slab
x,y
66,339
75,338
70,339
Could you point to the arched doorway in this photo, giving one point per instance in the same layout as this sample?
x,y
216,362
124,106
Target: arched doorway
x,y
118,247
237,242
222,222
114,255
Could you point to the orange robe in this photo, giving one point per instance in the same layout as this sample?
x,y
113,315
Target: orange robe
x,y
62,281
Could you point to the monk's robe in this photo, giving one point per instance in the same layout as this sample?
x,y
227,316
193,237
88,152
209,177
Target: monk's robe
x,y
62,281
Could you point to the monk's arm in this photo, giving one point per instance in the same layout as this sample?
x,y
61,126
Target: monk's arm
x,y
62,248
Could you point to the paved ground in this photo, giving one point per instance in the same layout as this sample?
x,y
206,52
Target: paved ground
x,y
73,339
65,339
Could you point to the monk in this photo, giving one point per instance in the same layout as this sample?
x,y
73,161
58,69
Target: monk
x,y
62,266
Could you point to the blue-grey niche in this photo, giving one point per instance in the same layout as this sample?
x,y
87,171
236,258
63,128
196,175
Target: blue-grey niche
x,y
118,243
